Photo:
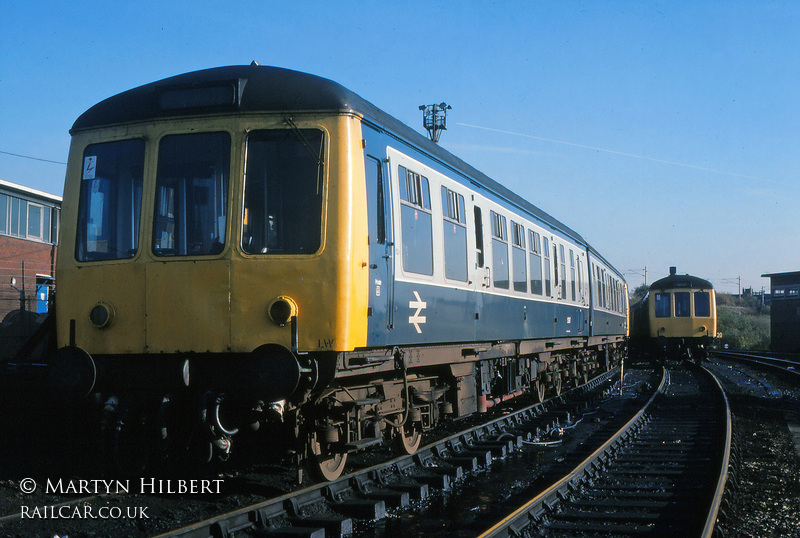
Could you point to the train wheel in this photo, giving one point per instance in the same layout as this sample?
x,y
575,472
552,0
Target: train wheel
x,y
538,390
557,383
325,464
407,438
581,379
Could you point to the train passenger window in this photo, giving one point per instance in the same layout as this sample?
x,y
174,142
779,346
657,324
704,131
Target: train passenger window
x,y
283,192
662,305
455,235
535,262
500,251
110,205
598,285
416,222
682,309
572,273
702,304
191,194
563,272
478,236
546,251
518,257
614,294
414,188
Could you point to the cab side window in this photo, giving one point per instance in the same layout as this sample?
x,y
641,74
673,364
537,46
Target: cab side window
x,y
662,304
702,304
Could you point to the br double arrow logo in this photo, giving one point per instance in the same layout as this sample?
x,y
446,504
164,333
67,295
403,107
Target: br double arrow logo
x,y
416,319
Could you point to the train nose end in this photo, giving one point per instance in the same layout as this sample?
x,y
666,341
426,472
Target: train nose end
x,y
72,373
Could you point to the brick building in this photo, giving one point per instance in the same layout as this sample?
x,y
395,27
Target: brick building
x,y
29,223
785,311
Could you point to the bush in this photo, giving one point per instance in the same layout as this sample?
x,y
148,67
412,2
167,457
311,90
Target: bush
x,y
743,328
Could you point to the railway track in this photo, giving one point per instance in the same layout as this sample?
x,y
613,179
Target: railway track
x,y
498,463
402,485
783,363
662,474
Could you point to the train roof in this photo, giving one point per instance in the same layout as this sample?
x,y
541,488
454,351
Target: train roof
x,y
254,88
681,281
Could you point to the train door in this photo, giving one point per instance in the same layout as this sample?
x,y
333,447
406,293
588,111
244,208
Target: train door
x,y
381,243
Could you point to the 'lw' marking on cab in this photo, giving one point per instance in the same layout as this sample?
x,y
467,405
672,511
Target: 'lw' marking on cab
x,y
420,305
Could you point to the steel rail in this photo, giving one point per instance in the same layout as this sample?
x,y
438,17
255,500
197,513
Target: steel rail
x,y
787,366
513,524
520,517
258,514
719,492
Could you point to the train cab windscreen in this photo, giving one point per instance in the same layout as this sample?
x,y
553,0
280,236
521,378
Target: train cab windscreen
x,y
191,194
110,203
283,192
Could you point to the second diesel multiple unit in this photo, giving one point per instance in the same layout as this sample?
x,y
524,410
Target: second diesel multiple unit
x,y
252,247
676,320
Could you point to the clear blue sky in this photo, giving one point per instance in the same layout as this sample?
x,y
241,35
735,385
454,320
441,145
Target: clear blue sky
x,y
666,133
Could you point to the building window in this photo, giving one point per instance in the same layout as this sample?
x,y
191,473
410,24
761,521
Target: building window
x,y
28,219
35,216
3,213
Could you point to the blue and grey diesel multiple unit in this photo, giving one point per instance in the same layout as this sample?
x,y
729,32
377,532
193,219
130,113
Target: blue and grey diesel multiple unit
x,y
257,248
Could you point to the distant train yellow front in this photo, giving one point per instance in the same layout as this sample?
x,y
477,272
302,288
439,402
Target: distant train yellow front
x,y
678,312
677,319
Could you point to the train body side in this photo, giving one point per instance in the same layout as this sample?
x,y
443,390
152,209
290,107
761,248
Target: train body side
x,y
494,272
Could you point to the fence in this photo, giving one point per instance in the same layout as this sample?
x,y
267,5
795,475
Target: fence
x,y
23,292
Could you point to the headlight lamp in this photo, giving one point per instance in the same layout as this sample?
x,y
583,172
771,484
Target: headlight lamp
x,y
282,310
102,315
